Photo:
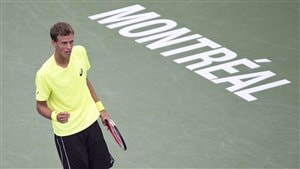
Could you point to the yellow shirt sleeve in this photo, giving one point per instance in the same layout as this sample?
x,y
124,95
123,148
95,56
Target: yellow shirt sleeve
x,y
43,89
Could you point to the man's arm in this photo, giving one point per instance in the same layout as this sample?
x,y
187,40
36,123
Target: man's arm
x,y
103,114
45,111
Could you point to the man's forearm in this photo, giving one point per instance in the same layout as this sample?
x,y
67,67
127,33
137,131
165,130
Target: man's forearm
x,y
92,91
43,109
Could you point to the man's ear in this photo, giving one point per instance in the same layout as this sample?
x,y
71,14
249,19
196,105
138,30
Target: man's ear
x,y
53,43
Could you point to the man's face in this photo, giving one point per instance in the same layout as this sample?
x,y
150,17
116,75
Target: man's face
x,y
63,46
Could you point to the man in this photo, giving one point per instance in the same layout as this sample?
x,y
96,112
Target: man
x,y
66,97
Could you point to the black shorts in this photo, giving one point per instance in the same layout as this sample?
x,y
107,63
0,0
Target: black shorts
x,y
84,150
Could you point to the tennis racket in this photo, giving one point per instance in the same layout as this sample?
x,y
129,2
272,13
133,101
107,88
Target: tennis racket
x,y
112,128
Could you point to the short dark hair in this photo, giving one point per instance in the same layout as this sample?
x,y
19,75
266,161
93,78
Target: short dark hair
x,y
60,29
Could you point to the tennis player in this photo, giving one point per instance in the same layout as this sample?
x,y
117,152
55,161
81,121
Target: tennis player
x,y
66,97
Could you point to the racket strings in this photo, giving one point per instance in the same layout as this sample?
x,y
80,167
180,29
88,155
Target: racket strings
x,y
111,126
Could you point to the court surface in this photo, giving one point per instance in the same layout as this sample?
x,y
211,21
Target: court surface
x,y
171,113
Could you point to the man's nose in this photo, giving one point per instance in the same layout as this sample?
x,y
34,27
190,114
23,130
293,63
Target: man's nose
x,y
69,45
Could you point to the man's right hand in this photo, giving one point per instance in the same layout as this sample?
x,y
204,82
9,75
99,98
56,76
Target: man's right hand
x,y
63,117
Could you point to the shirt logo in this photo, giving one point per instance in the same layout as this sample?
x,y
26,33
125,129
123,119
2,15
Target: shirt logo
x,y
81,72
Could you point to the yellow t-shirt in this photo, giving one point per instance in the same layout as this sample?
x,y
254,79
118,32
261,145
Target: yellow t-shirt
x,y
66,90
